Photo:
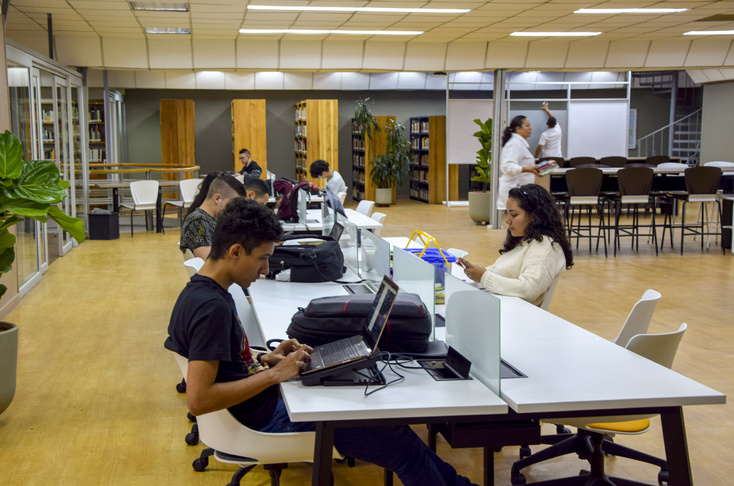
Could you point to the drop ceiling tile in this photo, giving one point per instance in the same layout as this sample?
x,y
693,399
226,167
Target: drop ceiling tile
x,y
268,80
121,79
257,53
239,80
126,53
627,53
337,54
384,55
210,80
708,52
299,81
155,79
327,81
425,56
180,79
587,54
547,54
300,54
212,54
79,50
462,56
170,52
668,53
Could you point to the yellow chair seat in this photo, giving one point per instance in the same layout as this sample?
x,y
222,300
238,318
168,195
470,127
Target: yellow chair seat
x,y
629,427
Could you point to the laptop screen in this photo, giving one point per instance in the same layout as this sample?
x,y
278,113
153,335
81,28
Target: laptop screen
x,y
381,307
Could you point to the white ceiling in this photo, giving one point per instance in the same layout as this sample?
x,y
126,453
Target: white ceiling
x,y
108,34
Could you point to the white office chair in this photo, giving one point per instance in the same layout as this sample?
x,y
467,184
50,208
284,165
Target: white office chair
x,y
545,305
365,207
591,442
240,177
231,442
639,317
187,254
247,316
145,198
193,265
188,189
342,196
380,218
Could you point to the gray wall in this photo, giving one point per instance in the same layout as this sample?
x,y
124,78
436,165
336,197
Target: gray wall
x,y
214,128
717,122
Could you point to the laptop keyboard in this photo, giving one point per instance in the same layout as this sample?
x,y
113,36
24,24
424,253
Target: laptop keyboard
x,y
340,351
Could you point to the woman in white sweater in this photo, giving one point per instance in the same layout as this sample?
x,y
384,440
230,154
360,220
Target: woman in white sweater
x,y
536,250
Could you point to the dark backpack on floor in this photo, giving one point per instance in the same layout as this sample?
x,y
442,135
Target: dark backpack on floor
x,y
327,319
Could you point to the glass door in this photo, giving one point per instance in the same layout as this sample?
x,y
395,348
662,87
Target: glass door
x,y
79,159
64,150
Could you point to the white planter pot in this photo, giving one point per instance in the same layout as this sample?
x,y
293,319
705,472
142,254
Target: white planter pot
x,y
383,197
8,363
479,203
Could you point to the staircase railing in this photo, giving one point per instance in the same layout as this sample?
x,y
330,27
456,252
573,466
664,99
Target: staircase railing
x,y
686,143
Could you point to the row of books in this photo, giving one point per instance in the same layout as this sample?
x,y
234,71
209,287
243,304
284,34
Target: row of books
x,y
358,160
418,126
419,143
300,130
419,193
97,155
96,133
419,175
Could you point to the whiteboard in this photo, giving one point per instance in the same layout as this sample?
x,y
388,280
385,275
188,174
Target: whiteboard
x,y
461,144
597,128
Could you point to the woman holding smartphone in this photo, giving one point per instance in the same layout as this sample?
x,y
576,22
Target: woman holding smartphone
x,y
535,252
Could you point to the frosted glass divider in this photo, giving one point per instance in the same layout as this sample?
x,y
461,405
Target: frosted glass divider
x,y
374,262
473,329
349,244
417,276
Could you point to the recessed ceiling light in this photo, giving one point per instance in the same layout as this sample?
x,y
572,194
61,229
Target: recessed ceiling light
x,y
167,30
629,10
554,34
161,6
359,9
710,32
322,32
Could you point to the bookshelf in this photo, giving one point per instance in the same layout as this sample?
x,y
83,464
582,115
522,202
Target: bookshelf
x,y
316,136
428,172
48,129
96,123
362,152
248,131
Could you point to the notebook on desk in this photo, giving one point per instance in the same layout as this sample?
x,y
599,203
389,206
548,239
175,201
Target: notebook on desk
x,y
363,345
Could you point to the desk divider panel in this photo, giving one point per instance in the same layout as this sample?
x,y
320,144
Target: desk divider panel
x,y
417,276
374,262
349,244
473,329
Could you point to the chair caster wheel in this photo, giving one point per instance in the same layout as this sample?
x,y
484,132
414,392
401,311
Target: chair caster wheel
x,y
192,418
525,452
663,477
518,478
192,439
350,461
181,387
200,463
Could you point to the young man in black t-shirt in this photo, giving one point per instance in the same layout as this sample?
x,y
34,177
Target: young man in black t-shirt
x,y
223,373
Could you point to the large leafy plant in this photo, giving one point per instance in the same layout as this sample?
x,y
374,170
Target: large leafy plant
x,y
366,123
392,167
484,154
29,189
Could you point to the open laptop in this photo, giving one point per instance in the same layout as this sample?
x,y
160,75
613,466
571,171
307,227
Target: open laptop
x,y
362,345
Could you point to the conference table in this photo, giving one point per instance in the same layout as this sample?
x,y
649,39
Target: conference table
x,y
569,374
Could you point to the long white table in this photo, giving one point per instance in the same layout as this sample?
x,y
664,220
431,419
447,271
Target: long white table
x,y
571,373
313,222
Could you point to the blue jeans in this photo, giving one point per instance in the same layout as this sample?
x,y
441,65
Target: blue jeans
x,y
396,448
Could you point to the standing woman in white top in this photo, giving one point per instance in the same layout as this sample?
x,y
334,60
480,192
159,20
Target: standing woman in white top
x,y
550,140
517,164
535,252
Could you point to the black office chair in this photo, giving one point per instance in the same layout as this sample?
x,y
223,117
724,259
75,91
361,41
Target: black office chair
x,y
657,159
576,161
613,161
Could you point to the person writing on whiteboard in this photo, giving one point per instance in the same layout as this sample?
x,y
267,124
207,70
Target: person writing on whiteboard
x,y
550,140
517,164
535,252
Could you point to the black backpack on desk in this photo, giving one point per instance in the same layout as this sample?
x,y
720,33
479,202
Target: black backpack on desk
x,y
322,262
327,319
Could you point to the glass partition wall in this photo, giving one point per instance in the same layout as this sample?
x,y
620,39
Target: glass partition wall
x,y
45,102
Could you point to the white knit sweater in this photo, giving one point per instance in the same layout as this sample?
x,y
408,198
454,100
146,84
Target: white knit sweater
x,y
527,271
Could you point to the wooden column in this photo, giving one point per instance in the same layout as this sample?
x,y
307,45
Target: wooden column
x,y
178,136
249,131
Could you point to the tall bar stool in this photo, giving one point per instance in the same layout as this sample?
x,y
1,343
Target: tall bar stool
x,y
613,161
576,161
702,184
634,191
584,184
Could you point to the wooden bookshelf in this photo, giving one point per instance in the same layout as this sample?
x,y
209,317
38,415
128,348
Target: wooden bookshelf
x,y
316,136
178,136
364,151
428,173
97,137
248,131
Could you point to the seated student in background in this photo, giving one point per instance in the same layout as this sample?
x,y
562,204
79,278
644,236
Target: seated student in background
x,y
256,189
536,250
320,170
216,191
224,373
249,166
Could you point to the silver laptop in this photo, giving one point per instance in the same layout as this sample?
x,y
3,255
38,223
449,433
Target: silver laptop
x,y
362,345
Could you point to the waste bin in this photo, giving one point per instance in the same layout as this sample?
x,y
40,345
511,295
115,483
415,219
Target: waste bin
x,y
104,226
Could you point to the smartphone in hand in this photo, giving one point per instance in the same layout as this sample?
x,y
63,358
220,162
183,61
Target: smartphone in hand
x,y
462,264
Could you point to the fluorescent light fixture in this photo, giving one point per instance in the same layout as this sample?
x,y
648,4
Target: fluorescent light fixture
x,y
167,30
358,9
710,32
554,34
161,6
323,32
629,10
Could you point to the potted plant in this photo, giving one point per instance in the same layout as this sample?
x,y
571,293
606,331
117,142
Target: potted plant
x,y
367,125
393,167
27,190
480,201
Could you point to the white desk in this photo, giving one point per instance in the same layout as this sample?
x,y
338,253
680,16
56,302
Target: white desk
x,y
360,220
570,374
